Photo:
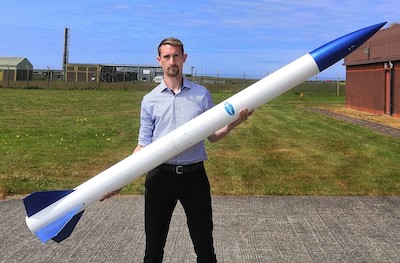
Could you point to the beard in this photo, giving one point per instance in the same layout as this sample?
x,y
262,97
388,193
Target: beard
x,y
173,71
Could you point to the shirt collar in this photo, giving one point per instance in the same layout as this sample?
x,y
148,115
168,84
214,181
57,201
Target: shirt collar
x,y
186,84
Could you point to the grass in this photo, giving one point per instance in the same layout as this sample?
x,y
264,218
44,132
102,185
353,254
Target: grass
x,y
287,150
58,138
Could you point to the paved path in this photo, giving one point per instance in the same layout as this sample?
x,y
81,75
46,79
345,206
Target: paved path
x,y
247,229
383,129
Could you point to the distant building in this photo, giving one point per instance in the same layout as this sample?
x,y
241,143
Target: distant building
x,y
15,68
44,74
373,74
77,72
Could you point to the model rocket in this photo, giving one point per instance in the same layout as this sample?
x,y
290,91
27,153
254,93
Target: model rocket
x,y
54,214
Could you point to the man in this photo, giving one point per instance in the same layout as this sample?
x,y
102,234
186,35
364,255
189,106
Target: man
x,y
172,103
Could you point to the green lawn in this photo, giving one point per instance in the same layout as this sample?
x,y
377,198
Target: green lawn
x,y
57,139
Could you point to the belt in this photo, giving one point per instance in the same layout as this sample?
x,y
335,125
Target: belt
x,y
181,169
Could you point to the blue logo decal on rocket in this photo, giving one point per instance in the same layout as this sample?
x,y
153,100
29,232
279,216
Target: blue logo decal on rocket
x,y
229,108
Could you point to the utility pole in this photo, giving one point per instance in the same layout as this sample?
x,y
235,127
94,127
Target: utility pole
x,y
338,86
8,76
27,76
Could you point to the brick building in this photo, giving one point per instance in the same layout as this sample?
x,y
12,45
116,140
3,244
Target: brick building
x,y
373,74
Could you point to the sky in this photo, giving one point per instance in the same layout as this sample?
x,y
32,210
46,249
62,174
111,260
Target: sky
x,y
233,38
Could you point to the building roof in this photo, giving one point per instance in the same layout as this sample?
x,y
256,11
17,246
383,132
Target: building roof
x,y
114,65
384,46
10,61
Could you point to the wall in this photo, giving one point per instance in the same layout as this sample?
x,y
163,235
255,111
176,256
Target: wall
x,y
367,85
366,88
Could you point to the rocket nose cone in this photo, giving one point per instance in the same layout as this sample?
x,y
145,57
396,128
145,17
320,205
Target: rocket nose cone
x,y
330,53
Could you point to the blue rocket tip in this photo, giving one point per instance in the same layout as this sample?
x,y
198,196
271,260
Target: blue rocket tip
x,y
330,53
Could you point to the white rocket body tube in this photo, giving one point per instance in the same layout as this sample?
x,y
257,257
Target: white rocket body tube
x,y
54,214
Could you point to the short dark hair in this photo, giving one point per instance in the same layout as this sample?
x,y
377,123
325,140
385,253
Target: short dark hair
x,y
173,42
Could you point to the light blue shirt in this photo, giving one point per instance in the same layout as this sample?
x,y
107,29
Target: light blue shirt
x,y
162,112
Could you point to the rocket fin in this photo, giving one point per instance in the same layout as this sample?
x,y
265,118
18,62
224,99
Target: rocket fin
x,y
39,200
61,228
68,228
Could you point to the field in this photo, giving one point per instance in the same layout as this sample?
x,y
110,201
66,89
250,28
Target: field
x,y
56,138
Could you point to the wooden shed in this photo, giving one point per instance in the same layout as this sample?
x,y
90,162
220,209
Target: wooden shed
x,y
373,74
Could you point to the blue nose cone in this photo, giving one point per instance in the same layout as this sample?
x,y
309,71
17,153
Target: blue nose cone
x,y
332,52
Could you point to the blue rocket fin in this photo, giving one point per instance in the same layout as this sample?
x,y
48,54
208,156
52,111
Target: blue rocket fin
x,y
61,228
39,200
68,228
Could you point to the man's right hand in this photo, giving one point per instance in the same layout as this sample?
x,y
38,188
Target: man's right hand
x,y
110,194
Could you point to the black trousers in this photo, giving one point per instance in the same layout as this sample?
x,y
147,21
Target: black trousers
x,y
165,185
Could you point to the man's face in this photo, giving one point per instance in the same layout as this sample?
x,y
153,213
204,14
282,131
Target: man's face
x,y
171,60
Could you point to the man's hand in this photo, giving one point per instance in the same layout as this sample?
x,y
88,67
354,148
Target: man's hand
x,y
221,133
110,194
243,115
